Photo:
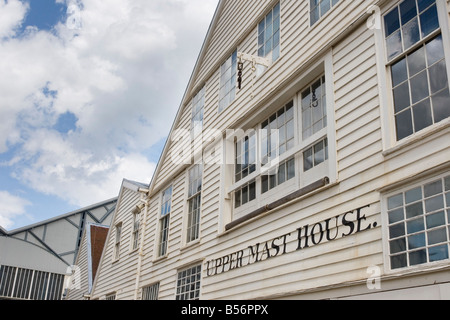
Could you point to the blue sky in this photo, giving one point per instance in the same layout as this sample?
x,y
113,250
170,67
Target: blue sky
x,y
89,91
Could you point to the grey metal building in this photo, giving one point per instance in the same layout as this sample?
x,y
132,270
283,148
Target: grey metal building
x,y
35,259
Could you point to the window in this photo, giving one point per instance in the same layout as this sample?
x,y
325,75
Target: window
x,y
268,157
415,55
269,34
318,8
135,233
19,283
198,104
418,224
111,296
227,91
194,202
117,242
150,292
188,283
164,221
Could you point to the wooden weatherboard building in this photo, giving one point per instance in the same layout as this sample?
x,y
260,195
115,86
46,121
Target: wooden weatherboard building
x,y
310,158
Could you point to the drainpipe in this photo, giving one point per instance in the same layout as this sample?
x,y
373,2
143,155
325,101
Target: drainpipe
x,y
144,193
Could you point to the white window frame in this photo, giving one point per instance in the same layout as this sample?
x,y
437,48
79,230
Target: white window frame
x,y
192,194
386,224
183,283
117,240
262,28
150,292
198,107
327,168
332,3
388,128
135,232
224,81
163,215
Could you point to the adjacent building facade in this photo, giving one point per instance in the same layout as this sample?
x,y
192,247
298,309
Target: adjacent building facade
x,y
35,260
310,158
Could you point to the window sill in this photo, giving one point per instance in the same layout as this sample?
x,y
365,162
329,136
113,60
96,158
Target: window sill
x,y
299,194
422,137
190,245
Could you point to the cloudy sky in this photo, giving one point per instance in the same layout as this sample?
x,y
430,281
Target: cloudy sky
x,y
88,92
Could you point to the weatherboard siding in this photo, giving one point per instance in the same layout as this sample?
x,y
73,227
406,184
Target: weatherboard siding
x,y
364,165
119,276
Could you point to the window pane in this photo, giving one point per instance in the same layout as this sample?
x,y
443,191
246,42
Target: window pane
x,y
416,61
399,72
394,45
441,105
396,216
422,115
401,97
398,261
418,257
435,50
438,253
423,4
414,210
397,230
415,225
395,201
433,188
429,21
397,246
438,77
436,220
391,22
408,10
404,125
413,195
416,241
437,236
411,33
434,203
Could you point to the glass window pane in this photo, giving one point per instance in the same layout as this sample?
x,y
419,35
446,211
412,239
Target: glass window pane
x,y
403,123
413,195
396,215
416,61
423,4
398,261
438,253
417,257
419,87
408,10
397,230
290,169
416,241
397,246
435,50
394,45
429,21
411,33
395,201
438,77
434,203
415,225
401,97
441,105
437,236
422,115
433,188
414,210
399,72
307,160
435,220
391,22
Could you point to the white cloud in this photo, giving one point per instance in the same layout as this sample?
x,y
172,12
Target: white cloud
x,y
12,13
10,207
121,68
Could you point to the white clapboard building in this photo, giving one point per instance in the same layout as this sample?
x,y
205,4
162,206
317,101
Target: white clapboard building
x,y
309,159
